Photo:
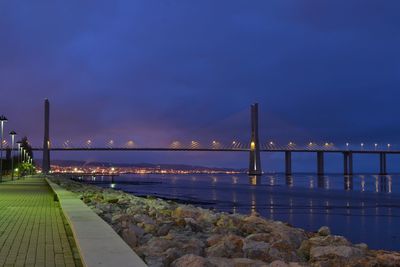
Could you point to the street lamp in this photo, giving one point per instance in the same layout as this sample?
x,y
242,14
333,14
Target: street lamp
x,y
3,119
19,143
12,134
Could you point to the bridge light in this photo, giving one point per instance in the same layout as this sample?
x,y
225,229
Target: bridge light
x,y
290,143
362,144
326,144
252,145
347,144
214,142
375,145
271,143
234,142
389,145
311,143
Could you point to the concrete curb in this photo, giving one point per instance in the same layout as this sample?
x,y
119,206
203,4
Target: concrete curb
x,y
98,243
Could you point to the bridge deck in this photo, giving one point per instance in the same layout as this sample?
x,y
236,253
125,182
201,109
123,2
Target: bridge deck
x,y
300,150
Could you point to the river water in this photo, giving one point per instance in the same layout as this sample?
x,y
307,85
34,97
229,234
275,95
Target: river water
x,y
363,208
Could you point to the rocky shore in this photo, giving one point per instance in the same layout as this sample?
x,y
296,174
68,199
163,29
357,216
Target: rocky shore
x,y
165,233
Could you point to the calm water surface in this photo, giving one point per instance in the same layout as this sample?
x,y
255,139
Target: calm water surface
x,y
364,208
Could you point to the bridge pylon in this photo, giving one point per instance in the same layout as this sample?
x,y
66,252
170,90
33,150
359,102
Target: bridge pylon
x,y
255,160
46,141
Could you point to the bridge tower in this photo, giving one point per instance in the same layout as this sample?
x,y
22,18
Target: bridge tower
x,y
255,160
46,141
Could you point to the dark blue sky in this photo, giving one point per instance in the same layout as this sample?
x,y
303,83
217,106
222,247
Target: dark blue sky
x,y
157,71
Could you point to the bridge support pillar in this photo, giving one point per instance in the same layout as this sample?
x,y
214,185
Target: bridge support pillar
x,y
320,163
255,161
348,163
46,141
288,163
382,157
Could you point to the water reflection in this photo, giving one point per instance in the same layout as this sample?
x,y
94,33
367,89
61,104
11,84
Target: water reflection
x,y
361,183
255,179
321,181
348,183
289,180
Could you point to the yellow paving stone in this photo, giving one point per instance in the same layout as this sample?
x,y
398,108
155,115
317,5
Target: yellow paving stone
x,y
32,226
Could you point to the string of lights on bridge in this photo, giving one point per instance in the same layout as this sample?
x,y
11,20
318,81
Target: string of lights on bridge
x,y
230,145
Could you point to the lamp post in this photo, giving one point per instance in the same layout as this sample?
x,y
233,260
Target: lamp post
x,y
19,143
12,134
3,119
23,157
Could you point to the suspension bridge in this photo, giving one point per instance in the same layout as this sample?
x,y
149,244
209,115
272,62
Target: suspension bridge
x,y
253,147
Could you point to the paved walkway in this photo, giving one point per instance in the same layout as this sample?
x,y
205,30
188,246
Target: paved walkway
x,y
33,231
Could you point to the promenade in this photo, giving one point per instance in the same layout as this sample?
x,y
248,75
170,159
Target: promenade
x,y
33,231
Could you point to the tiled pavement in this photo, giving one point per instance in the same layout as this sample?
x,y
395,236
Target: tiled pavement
x,y
33,231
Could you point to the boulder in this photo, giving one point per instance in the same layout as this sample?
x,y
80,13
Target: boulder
x,y
324,231
278,263
164,229
386,258
257,250
186,212
316,253
130,238
143,218
243,262
220,262
192,261
229,246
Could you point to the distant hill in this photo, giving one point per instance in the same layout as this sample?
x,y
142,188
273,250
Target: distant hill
x,y
77,163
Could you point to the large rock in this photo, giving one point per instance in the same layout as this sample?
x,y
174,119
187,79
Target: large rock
x,y
386,258
164,229
316,253
257,250
143,218
136,229
278,263
193,246
220,262
192,261
243,262
186,212
318,241
214,239
324,231
229,246
130,238
193,225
